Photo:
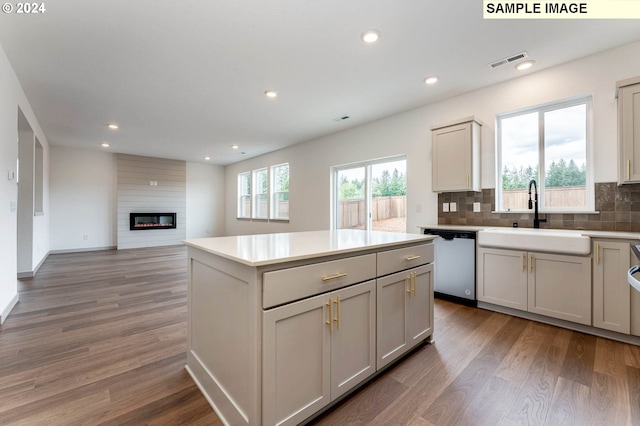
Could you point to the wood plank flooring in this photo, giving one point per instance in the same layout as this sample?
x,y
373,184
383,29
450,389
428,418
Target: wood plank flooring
x,y
100,338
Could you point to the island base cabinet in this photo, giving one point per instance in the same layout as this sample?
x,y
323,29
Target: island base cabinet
x,y
560,286
315,350
405,312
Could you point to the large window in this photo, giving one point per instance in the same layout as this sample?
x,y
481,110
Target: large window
x,y
280,192
264,193
550,144
371,195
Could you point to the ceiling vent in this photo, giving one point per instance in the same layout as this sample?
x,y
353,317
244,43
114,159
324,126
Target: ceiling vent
x,y
508,60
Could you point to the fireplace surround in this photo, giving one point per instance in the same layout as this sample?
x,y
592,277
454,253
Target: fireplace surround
x,y
146,221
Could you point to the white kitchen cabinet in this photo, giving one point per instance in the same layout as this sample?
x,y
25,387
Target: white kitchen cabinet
x,y
315,350
405,312
456,156
559,286
502,277
629,130
553,285
611,291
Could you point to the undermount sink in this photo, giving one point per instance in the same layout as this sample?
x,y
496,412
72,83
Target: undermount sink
x,y
562,241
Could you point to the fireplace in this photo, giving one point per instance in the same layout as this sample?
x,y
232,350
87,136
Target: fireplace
x,y
144,221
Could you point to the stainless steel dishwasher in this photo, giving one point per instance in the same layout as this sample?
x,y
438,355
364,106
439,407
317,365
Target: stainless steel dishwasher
x,y
455,265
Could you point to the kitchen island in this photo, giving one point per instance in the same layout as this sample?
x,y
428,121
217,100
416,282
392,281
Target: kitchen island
x,y
281,326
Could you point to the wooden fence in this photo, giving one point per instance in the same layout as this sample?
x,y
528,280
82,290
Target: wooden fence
x,y
352,213
570,196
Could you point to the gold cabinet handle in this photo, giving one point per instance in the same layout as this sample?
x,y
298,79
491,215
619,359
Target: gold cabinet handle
x,y
337,318
330,322
524,266
628,169
415,274
409,258
409,290
530,263
333,277
597,253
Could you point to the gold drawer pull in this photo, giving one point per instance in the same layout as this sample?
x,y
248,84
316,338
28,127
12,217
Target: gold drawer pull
x,y
411,258
337,318
333,277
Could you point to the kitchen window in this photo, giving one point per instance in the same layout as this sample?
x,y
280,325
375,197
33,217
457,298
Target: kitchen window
x,y
280,192
551,144
244,195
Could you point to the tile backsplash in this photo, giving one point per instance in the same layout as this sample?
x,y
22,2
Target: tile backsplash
x,y
617,207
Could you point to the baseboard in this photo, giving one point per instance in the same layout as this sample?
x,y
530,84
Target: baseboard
x,y
5,312
31,274
82,250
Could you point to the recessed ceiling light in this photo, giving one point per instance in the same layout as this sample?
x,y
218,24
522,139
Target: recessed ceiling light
x,y
271,93
525,65
207,158
113,126
234,146
370,36
104,145
432,79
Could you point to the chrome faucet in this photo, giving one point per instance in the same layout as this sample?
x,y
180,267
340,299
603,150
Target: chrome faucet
x,y
536,219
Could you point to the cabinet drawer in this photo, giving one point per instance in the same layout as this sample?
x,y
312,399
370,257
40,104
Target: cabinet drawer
x,y
304,281
400,259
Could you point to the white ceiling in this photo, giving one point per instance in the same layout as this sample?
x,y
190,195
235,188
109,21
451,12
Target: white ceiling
x,y
185,79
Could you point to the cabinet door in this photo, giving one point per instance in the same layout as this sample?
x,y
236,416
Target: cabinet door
x,y
392,292
405,312
296,361
560,286
629,130
452,158
502,277
611,291
353,336
420,306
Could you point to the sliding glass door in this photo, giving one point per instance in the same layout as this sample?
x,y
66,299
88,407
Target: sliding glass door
x,y
371,195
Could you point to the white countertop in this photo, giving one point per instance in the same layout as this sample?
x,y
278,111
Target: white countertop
x,y
584,232
266,249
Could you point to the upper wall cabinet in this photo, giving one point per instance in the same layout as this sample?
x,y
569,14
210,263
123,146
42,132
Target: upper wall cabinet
x,y
456,156
628,92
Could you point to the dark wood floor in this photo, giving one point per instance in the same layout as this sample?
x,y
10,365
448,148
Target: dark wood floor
x,y
100,338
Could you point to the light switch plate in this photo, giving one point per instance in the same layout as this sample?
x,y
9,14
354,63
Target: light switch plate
x,y
476,207
453,207
445,207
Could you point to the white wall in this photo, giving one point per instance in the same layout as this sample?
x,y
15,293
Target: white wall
x,y
409,133
205,200
83,199
12,97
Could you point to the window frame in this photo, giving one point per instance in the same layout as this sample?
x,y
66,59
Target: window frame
x,y
241,195
255,194
541,187
273,193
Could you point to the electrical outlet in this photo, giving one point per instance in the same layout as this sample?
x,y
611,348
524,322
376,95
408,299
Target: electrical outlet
x,y
85,237
453,207
445,207
476,207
